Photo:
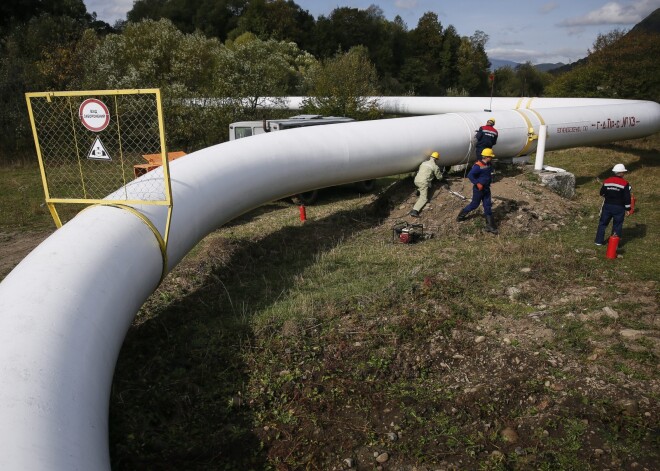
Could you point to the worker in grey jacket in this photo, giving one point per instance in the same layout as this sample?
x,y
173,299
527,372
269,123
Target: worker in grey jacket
x,y
428,170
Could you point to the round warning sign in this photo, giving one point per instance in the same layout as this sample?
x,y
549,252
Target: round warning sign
x,y
94,114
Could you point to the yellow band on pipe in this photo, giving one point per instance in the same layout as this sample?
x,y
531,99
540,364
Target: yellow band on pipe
x,y
149,224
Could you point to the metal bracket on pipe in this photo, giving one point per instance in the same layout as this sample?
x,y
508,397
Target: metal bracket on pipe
x,y
531,136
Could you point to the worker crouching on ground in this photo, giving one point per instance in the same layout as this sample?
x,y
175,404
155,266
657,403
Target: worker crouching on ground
x,y
428,170
617,204
481,176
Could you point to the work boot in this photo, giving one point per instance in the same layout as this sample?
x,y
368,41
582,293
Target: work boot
x,y
462,216
490,225
414,213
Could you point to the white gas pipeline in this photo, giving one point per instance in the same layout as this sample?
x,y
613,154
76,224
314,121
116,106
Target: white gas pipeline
x,y
65,309
437,105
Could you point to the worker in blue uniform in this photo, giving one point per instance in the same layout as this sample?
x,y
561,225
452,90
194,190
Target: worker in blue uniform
x,y
486,137
617,194
481,176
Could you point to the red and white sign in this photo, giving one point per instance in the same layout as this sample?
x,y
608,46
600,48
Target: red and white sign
x,y
94,114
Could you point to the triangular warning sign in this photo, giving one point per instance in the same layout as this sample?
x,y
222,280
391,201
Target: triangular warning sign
x,y
98,152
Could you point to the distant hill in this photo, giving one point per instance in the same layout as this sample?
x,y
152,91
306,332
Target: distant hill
x,y
650,24
497,63
568,67
548,67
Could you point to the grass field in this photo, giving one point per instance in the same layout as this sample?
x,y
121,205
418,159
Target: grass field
x,y
280,345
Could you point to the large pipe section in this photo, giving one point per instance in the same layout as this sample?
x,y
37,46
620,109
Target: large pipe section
x,y
65,309
437,105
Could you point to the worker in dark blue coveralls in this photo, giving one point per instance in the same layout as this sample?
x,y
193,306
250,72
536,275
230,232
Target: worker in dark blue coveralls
x,y
486,137
481,176
617,204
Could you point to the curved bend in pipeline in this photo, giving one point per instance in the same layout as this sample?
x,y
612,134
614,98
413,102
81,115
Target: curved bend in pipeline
x,y
65,309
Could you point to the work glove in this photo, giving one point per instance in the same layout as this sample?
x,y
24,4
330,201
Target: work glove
x,y
480,186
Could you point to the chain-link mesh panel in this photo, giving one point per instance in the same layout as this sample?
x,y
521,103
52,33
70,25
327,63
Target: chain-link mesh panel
x,y
87,157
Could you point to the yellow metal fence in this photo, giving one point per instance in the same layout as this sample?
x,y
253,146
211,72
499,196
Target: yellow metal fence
x,y
93,145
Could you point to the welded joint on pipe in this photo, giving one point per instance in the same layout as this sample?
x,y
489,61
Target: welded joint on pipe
x,y
470,149
530,133
149,224
538,115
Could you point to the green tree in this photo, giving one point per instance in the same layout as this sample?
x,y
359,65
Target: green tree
x,y
582,81
619,66
607,40
387,46
21,11
217,18
281,20
251,70
145,10
43,54
343,85
423,70
155,54
627,65
214,18
413,76
451,43
473,64
505,82
141,57
205,84
530,80
391,56
348,27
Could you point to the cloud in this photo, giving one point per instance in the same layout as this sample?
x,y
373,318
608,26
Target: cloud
x,y
511,42
512,54
520,55
548,7
614,13
109,11
406,4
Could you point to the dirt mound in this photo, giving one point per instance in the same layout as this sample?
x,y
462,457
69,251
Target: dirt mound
x,y
521,205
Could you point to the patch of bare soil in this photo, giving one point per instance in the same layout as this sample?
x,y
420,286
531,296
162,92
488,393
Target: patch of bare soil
x,y
14,247
520,206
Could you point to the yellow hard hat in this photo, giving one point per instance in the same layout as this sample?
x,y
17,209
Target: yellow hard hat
x,y
488,152
435,155
491,120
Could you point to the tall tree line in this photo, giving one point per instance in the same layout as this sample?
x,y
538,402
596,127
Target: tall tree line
x,y
219,52
224,49
423,60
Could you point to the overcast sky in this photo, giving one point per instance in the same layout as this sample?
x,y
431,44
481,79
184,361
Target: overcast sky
x,y
519,30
